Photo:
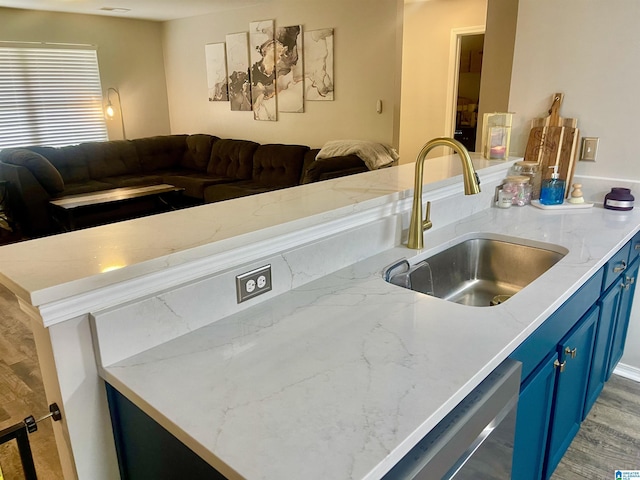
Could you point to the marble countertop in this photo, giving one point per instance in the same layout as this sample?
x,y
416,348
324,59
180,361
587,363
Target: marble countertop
x,y
341,377
51,269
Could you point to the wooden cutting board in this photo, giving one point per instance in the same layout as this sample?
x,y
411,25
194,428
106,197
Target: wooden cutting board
x,y
553,140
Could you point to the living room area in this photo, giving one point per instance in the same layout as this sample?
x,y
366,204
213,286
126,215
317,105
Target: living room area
x,y
154,59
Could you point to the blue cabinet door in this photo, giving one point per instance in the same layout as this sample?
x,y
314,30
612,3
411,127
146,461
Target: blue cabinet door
x,y
575,354
622,322
532,421
608,304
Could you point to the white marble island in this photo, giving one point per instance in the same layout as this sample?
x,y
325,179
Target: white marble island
x,y
339,378
316,343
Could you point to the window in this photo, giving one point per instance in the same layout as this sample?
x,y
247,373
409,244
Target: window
x,y
50,96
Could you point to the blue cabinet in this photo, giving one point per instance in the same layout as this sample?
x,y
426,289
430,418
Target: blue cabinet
x,y
566,362
615,309
552,398
533,420
628,287
574,361
543,356
146,450
606,324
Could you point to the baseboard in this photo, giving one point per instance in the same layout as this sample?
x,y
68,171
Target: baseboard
x,y
626,371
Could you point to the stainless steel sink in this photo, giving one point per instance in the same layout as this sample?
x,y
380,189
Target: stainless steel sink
x,y
478,271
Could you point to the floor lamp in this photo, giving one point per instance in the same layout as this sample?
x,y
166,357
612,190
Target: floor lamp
x,y
109,109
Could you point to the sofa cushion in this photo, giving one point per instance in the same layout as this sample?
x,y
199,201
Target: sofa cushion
x,y
161,152
194,183
87,186
70,161
46,174
328,168
278,165
198,152
232,159
109,159
219,193
133,180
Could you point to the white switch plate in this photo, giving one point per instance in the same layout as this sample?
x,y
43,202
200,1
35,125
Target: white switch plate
x,y
589,149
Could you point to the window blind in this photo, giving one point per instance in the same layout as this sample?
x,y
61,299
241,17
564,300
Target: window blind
x,y
50,96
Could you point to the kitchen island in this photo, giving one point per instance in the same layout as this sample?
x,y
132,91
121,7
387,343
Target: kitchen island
x,y
334,373
341,377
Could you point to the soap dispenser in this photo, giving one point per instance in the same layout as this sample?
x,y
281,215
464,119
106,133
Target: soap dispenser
x,y
552,189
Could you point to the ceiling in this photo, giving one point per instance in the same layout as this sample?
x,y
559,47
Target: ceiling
x,y
158,10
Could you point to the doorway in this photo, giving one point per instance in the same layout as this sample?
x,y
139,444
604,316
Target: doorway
x,y
465,73
468,89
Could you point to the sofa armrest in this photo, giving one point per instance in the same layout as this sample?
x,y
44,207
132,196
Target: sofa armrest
x,y
28,200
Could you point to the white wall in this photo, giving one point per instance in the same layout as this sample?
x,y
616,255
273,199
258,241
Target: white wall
x,y
589,50
426,66
365,59
129,56
502,18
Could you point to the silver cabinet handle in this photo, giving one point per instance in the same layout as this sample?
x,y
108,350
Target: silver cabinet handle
x,y
628,282
620,268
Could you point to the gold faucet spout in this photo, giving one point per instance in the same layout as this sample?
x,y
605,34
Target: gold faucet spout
x,y
471,186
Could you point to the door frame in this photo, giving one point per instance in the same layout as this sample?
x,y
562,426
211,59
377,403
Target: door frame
x,y
454,72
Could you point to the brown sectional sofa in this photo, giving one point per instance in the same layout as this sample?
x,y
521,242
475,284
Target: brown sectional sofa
x,y
209,168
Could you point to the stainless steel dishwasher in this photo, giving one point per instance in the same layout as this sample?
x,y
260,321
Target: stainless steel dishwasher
x,y
475,440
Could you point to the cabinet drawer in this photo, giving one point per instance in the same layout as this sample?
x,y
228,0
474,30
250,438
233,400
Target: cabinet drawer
x,y
634,252
616,265
535,348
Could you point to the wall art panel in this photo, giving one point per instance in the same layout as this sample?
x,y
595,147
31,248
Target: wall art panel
x,y
318,64
238,69
289,71
263,69
216,58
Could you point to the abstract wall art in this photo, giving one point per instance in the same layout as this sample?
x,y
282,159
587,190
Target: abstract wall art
x,y
271,70
289,69
238,71
216,60
318,64
264,51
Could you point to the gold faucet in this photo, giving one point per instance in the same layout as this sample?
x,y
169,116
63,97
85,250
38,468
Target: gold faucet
x,y
471,187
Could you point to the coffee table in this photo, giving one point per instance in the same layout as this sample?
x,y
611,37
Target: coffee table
x,y
104,206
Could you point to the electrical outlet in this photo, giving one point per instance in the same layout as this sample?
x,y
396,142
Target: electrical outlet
x,y
253,283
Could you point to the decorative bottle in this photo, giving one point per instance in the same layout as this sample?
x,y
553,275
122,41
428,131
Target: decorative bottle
x,y
552,189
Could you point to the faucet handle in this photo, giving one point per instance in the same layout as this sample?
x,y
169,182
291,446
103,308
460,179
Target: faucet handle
x,y
426,225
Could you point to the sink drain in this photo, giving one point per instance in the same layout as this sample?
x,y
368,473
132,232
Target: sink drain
x,y
498,299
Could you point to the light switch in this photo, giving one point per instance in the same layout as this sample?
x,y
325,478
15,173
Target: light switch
x,y
589,149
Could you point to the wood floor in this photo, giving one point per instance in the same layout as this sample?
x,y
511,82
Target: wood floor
x,y
609,438
22,394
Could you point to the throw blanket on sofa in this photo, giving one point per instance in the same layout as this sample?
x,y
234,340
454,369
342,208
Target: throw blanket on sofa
x,y
374,155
